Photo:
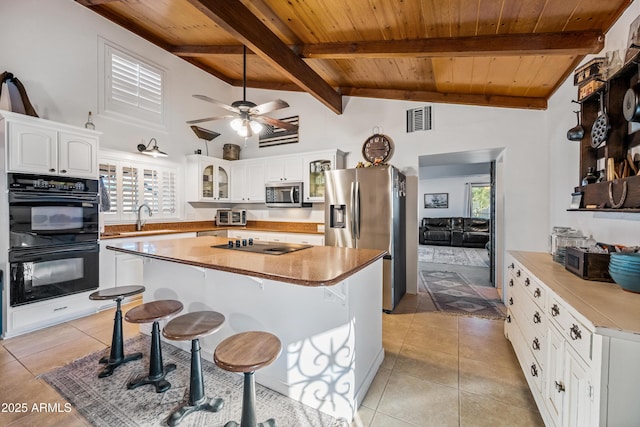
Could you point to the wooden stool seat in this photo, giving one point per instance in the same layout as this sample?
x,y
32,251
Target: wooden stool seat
x,y
246,352
154,311
117,292
116,355
192,326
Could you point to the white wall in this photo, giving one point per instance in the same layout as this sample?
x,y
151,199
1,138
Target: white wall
x,y
564,157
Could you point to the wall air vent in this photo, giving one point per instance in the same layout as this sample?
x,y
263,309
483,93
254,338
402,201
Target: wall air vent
x,y
419,119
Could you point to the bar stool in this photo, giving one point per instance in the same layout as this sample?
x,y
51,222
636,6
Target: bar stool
x,y
154,311
192,326
117,357
247,352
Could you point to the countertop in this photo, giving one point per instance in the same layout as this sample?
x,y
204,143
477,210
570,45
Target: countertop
x,y
314,266
150,229
606,305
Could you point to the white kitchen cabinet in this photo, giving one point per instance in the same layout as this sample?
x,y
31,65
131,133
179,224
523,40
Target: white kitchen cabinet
x,y
247,181
43,147
42,314
314,165
586,374
287,168
211,177
122,269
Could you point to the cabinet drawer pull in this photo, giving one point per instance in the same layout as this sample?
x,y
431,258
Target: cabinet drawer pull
x,y
535,344
509,318
575,332
537,293
534,370
527,282
559,387
555,310
52,170
63,171
511,266
537,318
511,283
60,308
518,273
511,301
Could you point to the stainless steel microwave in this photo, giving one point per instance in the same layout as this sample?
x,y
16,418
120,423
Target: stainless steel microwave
x,y
284,194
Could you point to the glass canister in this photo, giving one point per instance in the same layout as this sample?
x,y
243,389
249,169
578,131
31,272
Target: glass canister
x,y
553,237
573,239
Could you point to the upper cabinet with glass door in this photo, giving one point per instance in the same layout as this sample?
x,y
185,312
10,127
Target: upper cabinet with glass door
x,y
212,177
315,165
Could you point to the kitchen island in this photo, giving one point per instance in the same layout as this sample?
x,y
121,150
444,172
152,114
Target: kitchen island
x,y
324,303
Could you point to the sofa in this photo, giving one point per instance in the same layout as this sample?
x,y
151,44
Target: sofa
x,y
455,231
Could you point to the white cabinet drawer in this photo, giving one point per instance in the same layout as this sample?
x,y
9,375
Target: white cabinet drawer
x,y
532,369
46,313
520,275
534,337
573,330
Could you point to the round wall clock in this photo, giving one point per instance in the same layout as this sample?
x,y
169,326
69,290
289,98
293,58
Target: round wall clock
x,y
377,146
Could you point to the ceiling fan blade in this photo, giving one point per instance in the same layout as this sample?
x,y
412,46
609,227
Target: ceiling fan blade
x,y
267,107
218,103
208,119
276,123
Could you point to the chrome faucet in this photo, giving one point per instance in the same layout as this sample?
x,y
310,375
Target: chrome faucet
x,y
139,223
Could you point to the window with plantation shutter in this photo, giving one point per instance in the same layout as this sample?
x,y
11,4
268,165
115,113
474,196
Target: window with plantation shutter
x,y
151,189
168,188
131,182
132,86
110,180
130,189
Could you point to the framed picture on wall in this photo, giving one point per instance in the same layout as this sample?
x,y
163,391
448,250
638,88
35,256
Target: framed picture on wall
x,y
436,200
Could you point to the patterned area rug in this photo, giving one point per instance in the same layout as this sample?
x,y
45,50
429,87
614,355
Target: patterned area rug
x,y
474,257
107,401
452,293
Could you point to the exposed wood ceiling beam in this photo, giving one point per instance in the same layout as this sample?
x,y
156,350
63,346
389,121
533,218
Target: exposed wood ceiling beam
x,y
449,98
569,43
235,18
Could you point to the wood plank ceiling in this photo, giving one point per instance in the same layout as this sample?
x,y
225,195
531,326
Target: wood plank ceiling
x,y
502,53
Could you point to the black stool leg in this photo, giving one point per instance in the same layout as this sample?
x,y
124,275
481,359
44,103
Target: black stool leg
x,y
117,357
156,371
248,418
198,401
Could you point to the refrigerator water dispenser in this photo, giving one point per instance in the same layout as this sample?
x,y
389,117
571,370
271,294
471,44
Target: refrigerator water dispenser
x,y
338,216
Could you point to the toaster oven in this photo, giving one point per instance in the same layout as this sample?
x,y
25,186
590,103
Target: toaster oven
x,y
231,217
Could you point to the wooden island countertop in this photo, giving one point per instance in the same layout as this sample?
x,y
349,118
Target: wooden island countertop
x,y
314,266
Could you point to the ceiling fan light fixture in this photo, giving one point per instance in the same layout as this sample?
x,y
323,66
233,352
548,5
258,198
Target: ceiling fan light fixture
x,y
255,126
236,124
154,151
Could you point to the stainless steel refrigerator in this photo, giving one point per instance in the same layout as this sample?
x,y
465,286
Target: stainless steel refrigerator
x,y
365,208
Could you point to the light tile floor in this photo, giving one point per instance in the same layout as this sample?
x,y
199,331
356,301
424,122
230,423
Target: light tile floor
x,y
439,370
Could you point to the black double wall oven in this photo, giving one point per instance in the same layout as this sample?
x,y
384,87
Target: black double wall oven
x,y
53,235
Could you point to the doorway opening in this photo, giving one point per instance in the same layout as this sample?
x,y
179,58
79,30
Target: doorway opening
x,y
459,236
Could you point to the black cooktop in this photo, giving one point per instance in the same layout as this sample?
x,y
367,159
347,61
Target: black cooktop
x,y
271,248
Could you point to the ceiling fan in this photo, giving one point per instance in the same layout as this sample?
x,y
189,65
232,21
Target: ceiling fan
x,y
248,117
